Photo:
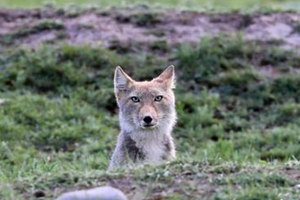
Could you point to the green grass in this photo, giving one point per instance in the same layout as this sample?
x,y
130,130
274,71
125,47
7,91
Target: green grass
x,y
191,4
237,135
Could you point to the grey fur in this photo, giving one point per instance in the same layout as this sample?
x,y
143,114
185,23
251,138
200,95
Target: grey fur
x,y
134,153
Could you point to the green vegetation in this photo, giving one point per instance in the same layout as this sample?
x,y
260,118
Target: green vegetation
x,y
297,27
141,19
45,25
237,134
195,4
159,46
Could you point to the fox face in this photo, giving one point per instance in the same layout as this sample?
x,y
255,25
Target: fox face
x,y
147,105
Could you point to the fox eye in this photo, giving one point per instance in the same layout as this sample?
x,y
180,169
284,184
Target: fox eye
x,y
158,98
135,99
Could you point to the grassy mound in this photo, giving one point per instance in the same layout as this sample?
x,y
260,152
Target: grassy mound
x,y
237,134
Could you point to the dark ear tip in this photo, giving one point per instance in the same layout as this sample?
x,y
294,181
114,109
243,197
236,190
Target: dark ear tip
x,y
171,67
118,68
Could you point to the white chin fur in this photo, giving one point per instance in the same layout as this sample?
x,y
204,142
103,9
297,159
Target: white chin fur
x,y
163,127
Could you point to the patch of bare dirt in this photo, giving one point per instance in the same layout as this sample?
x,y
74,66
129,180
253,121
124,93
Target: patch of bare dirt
x,y
146,26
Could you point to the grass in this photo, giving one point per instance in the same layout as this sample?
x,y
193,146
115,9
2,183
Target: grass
x,y
296,28
237,135
140,19
192,4
45,25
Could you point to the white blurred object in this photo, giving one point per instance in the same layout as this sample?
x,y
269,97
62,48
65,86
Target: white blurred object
x,y
99,193
2,101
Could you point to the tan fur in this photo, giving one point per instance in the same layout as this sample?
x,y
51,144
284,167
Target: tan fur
x,y
141,141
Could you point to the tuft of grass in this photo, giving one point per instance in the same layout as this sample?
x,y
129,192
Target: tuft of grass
x,y
141,19
46,25
296,28
160,46
257,195
122,47
257,179
147,19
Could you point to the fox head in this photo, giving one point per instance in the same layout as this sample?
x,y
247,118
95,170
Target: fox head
x,y
146,105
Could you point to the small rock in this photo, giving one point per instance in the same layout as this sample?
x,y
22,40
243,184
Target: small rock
x,y
297,187
99,193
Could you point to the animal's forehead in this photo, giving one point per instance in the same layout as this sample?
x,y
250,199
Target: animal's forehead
x,y
146,88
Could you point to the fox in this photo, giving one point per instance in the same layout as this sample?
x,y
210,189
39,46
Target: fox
x,y
147,116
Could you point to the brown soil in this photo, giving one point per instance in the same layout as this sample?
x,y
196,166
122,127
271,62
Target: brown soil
x,y
142,25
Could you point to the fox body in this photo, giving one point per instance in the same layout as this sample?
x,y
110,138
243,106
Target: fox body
x,y
147,115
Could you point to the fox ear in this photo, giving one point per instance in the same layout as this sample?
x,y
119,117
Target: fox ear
x,y
121,80
167,77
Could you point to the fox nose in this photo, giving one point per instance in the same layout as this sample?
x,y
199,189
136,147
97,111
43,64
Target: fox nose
x,y
147,119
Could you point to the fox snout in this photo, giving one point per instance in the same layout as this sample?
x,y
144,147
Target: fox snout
x,y
148,122
148,119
